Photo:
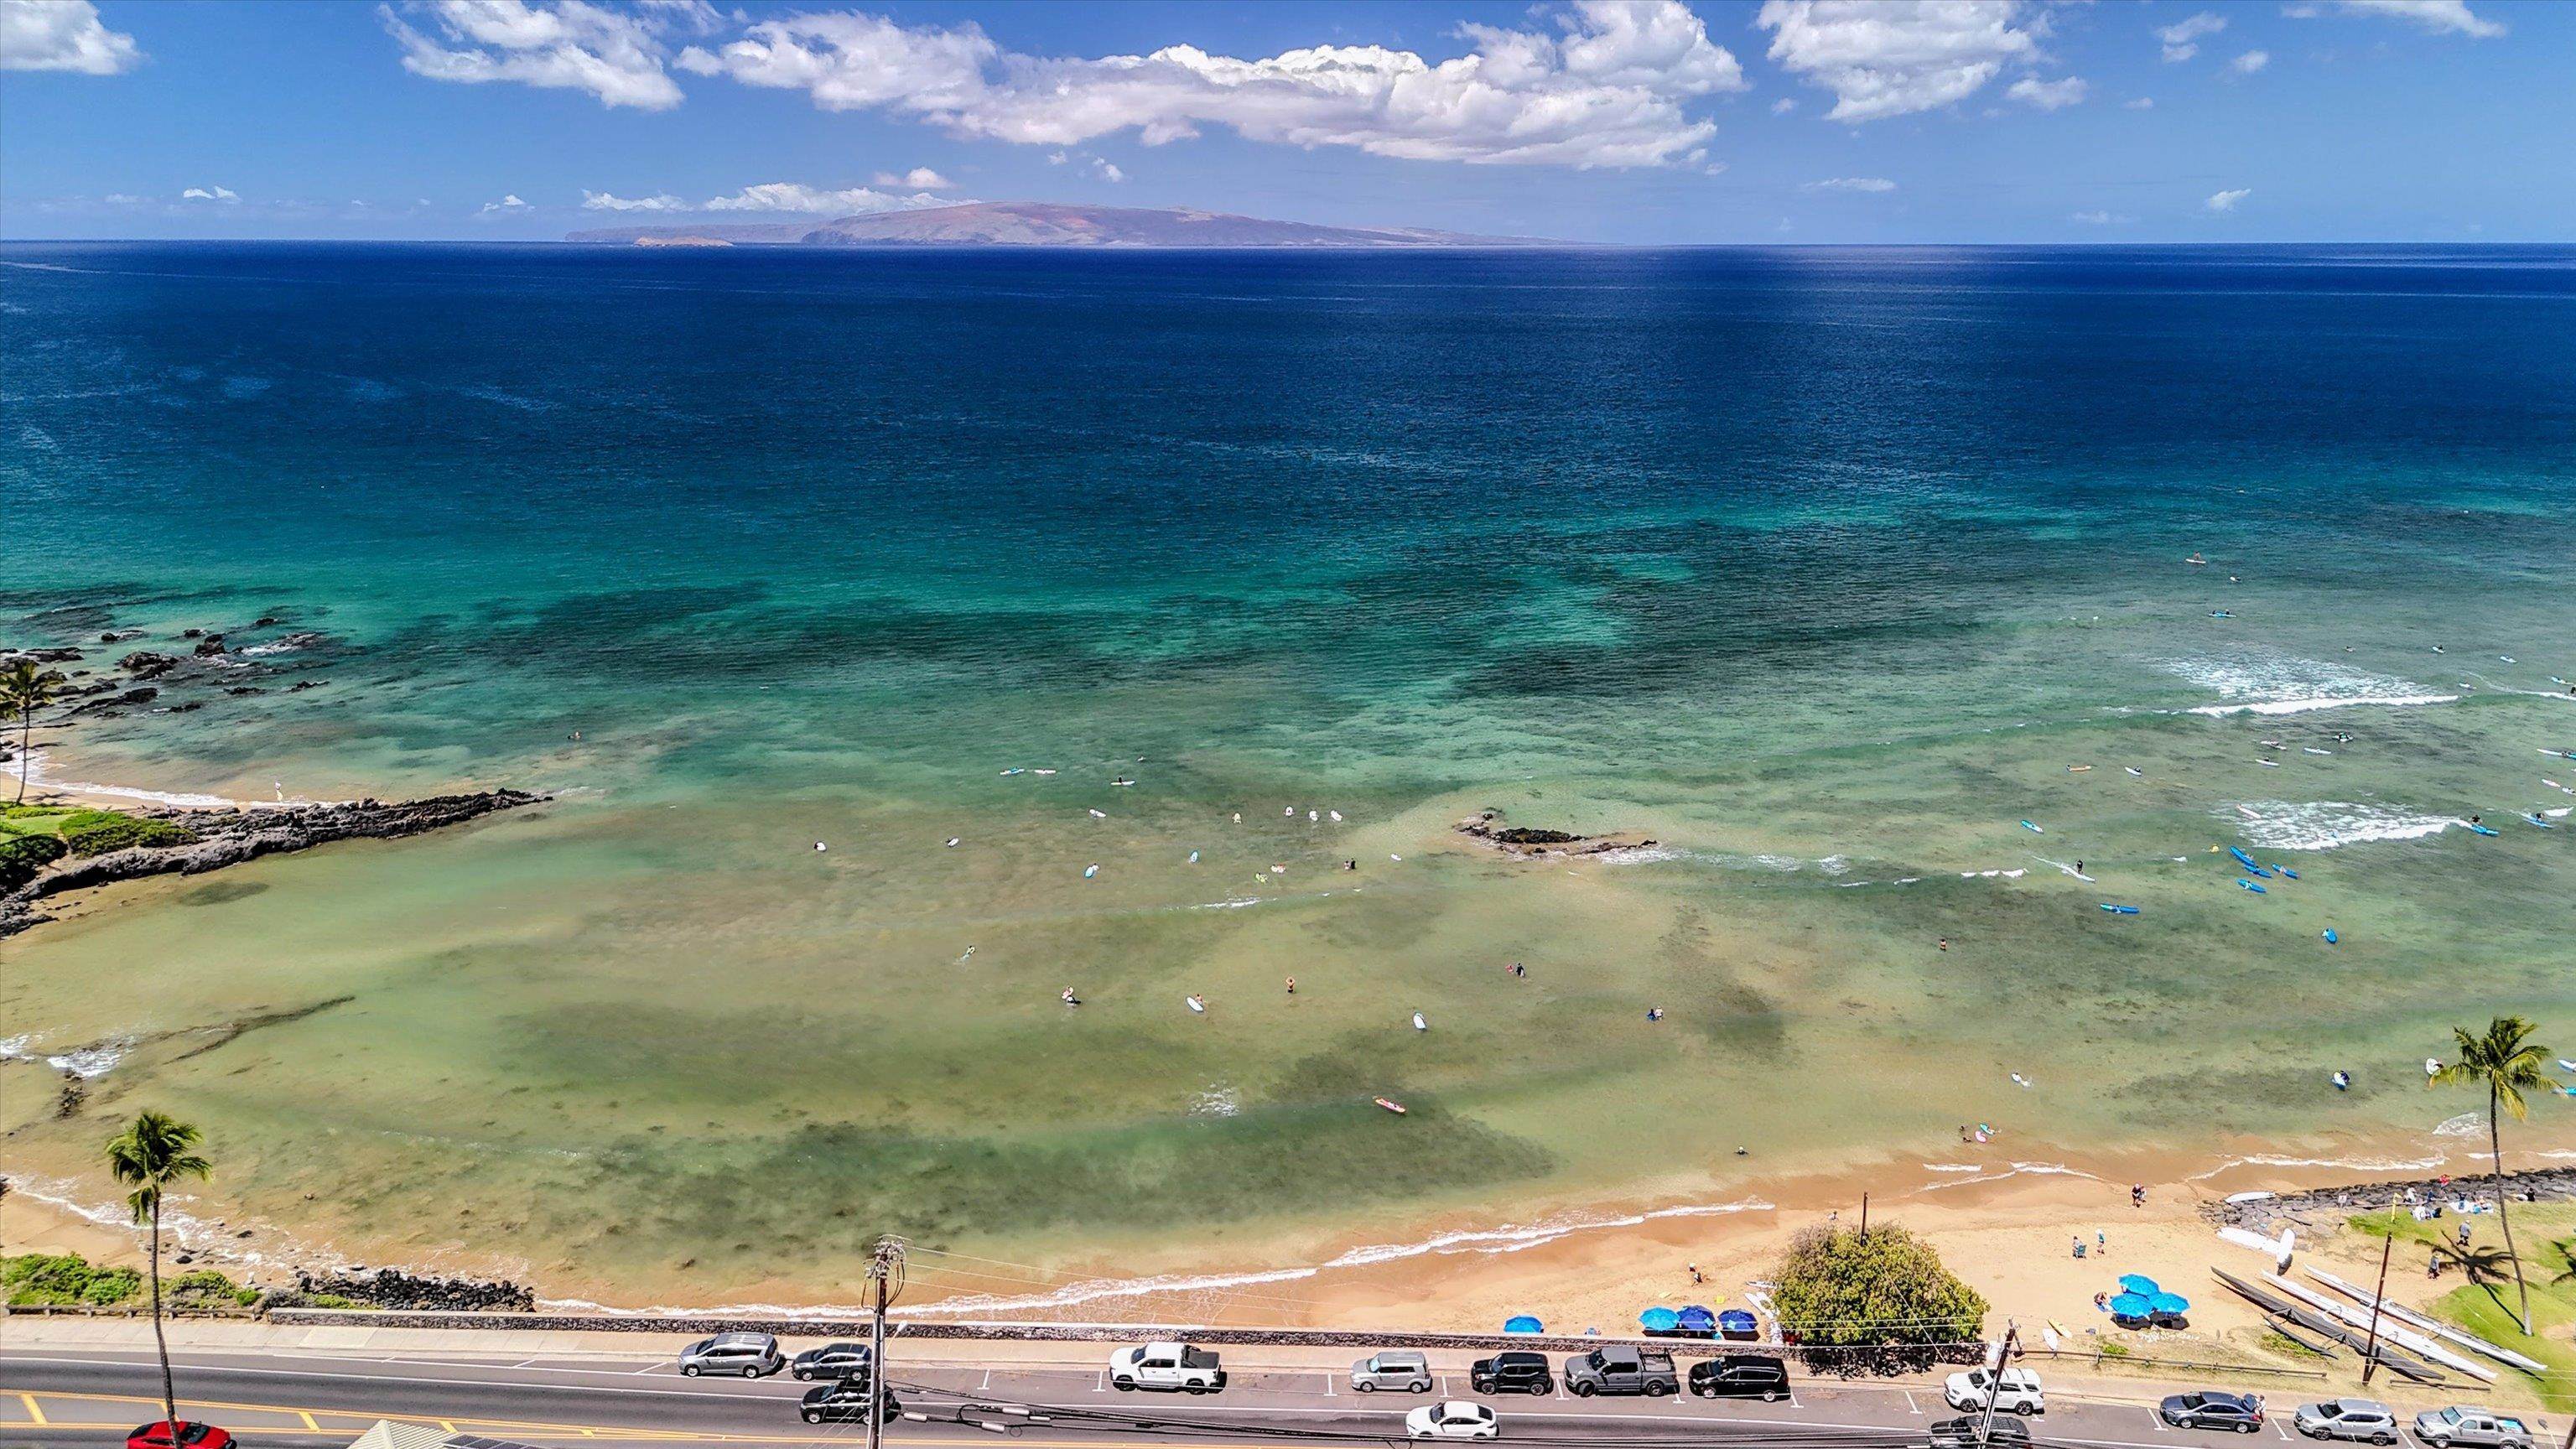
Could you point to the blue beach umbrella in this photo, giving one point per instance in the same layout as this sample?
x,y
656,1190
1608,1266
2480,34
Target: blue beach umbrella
x,y
1523,1323
1696,1319
2130,1305
2168,1303
1659,1320
1735,1322
2138,1283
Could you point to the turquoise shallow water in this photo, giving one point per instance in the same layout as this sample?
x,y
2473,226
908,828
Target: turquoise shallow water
x,y
1820,566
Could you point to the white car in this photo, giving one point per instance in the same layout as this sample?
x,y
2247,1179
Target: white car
x,y
2017,1392
2364,1419
1454,1419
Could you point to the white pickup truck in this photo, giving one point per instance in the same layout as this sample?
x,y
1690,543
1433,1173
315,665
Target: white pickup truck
x,y
2460,1427
1174,1366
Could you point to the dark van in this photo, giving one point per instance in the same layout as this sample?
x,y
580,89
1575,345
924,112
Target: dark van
x,y
1741,1376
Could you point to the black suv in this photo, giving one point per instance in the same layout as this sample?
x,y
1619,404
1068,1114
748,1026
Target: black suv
x,y
1512,1373
846,1403
831,1361
1741,1376
2007,1431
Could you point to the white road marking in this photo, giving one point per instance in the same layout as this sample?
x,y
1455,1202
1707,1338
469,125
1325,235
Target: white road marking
x,y
1912,1407
2159,1421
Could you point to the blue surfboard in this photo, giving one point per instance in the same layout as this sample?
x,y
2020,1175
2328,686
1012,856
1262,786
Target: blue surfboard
x,y
2251,886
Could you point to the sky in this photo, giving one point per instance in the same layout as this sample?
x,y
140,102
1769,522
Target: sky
x,y
1625,121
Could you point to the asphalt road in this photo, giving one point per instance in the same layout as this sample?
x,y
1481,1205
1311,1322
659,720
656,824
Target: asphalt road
x,y
312,1398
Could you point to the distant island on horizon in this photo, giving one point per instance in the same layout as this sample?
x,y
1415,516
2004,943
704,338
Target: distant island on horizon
x,y
1044,224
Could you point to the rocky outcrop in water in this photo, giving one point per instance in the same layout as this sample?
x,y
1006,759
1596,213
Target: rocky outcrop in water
x,y
144,664
229,837
1533,840
2323,1207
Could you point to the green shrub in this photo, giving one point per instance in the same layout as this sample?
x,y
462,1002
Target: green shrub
x,y
62,1280
96,832
21,856
1875,1302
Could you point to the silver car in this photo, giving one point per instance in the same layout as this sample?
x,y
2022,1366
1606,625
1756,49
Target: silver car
x,y
2365,1419
751,1355
1396,1368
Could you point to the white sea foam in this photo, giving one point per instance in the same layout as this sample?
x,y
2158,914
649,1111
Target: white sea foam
x,y
1993,874
2464,1125
2326,824
2355,1164
38,777
2255,684
1219,1100
92,1061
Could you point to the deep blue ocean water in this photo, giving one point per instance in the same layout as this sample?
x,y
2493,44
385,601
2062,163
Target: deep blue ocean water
x,y
1820,564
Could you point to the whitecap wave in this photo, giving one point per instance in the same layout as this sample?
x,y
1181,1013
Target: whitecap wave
x,y
2327,824
2253,684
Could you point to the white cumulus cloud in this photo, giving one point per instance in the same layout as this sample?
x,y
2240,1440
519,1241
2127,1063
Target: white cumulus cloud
x,y
2049,95
62,35
2226,200
2142,103
1851,183
1607,88
209,193
1106,170
1784,105
2181,39
506,203
2441,16
616,55
790,196
919,178
2250,62
603,201
1885,58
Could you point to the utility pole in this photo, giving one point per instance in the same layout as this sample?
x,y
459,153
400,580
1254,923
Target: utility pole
x,y
1995,1380
2370,1348
1864,1215
885,1270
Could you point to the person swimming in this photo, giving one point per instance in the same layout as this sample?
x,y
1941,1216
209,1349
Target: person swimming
x,y
1070,999
2343,1081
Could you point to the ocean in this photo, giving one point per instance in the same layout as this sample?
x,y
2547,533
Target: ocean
x,y
1826,569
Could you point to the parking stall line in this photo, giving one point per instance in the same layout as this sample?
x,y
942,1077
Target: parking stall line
x,y
1912,1407
2158,1420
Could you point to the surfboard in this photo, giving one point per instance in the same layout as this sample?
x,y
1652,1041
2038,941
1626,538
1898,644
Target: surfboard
x,y
2482,830
2033,829
2251,886
2119,910
1396,1107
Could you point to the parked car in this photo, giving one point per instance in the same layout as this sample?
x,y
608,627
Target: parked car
x,y
2210,1409
2364,1419
1973,1430
1453,1419
157,1435
2472,1428
1174,1366
1741,1376
1395,1368
1621,1368
846,1403
1515,1372
2015,1391
831,1361
752,1355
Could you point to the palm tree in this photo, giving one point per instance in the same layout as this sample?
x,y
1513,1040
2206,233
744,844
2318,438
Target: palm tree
x,y
148,1156
2507,1063
25,689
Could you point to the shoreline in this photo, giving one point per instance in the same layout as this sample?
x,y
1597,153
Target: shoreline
x,y
1454,1271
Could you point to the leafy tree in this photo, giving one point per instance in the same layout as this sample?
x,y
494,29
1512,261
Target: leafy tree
x,y
2507,1062
154,1152
1874,1302
25,689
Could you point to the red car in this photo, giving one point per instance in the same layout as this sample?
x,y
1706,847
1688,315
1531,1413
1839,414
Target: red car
x,y
157,1435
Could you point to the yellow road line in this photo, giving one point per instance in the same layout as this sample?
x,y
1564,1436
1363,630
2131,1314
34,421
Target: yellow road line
x,y
307,1416
35,1413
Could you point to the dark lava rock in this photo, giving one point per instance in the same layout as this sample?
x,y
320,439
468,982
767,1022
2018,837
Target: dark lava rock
x,y
39,656
119,636
1527,835
210,646
263,621
393,1288
245,689
184,708
301,685
190,633
144,664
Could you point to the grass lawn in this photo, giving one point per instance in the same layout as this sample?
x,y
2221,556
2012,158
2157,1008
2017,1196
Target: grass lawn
x,y
2547,1234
